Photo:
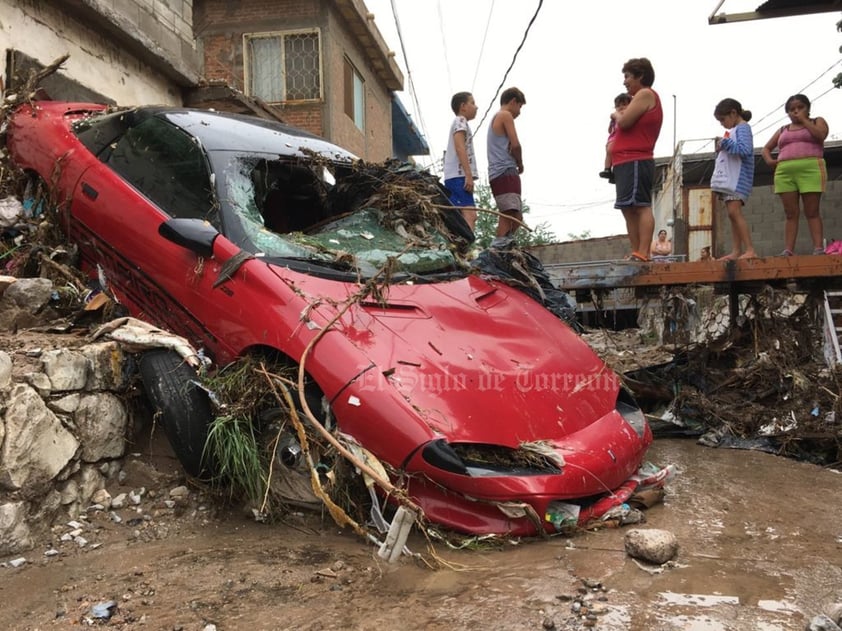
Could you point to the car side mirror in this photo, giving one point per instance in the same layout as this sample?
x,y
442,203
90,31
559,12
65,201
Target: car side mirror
x,y
196,235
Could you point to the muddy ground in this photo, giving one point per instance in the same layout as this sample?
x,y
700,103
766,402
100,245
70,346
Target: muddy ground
x,y
760,537
760,548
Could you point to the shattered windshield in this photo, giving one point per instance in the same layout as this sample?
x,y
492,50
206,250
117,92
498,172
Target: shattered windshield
x,y
338,215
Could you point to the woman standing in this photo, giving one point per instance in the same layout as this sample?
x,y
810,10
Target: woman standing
x,y
632,154
800,172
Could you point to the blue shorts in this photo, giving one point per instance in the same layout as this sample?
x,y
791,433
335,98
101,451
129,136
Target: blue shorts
x,y
458,195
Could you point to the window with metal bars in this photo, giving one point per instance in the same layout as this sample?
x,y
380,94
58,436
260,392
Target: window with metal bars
x,y
284,67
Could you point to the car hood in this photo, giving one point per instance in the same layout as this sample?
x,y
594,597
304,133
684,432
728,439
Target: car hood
x,y
480,362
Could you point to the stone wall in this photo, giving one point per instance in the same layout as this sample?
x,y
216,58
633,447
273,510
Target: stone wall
x,y
64,418
63,427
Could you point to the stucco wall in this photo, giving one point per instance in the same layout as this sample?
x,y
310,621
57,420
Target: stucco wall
x,y
132,51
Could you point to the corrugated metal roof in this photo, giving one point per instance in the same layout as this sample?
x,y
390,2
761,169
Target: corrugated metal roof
x,y
808,6
776,9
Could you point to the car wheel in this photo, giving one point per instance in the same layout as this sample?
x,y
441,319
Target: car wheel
x,y
180,405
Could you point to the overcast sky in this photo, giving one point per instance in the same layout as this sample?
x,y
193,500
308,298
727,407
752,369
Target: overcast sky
x,y
570,71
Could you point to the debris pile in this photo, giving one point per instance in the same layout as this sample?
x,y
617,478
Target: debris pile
x,y
761,383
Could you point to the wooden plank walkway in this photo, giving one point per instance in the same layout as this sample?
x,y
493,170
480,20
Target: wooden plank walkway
x,y
614,274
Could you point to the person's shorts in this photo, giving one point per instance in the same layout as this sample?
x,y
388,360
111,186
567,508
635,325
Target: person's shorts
x,y
634,182
456,191
802,175
732,197
506,190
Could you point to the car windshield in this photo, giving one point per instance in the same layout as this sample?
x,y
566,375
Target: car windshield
x,y
280,195
330,213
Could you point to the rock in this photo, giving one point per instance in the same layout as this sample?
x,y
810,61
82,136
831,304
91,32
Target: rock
x,y
36,446
29,294
66,369
179,492
5,372
653,545
834,612
15,535
102,497
822,623
107,362
101,421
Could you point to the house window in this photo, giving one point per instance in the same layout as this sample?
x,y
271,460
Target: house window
x,y
354,95
284,66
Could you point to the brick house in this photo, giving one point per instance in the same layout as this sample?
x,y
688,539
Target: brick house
x,y
322,64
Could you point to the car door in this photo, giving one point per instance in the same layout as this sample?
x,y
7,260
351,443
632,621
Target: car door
x,y
149,173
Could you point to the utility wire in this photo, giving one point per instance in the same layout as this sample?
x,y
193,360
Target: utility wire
x,y
444,47
482,46
801,91
756,131
511,65
412,91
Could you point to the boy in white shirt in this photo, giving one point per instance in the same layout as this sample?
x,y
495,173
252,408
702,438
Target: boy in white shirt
x,y
460,163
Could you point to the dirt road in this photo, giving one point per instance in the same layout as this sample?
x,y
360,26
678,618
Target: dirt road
x,y
760,537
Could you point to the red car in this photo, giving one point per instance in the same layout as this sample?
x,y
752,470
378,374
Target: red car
x,y
495,409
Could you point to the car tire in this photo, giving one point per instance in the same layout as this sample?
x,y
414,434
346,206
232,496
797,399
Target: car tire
x,y
180,406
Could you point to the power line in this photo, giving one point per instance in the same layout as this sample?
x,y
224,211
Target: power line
x,y
413,94
482,46
444,46
801,91
511,65
757,131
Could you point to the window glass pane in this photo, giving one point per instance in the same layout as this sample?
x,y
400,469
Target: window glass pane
x,y
348,89
164,164
264,68
301,66
359,102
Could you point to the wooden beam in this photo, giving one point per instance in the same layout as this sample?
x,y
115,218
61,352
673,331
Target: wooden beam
x,y
611,274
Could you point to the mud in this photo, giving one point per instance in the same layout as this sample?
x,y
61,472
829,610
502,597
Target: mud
x,y
760,548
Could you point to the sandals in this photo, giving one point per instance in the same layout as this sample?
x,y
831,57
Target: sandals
x,y
637,257
818,250
786,253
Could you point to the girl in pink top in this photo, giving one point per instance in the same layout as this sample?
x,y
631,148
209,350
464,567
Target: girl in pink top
x,y
800,171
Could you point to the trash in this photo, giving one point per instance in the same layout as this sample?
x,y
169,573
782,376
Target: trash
x,y
104,610
393,546
562,515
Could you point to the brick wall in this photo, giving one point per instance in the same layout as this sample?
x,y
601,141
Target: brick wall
x,y
375,143
221,24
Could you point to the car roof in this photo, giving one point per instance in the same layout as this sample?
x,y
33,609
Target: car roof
x,y
225,131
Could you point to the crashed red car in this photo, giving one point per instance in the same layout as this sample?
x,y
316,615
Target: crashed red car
x,y
226,229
